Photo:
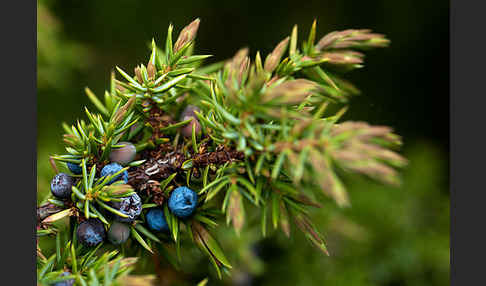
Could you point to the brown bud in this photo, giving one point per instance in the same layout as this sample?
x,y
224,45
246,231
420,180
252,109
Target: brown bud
x,y
118,117
187,35
151,70
291,92
245,64
352,38
343,57
236,66
329,39
138,74
273,59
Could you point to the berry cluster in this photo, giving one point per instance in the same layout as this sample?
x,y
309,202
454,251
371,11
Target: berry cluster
x,y
182,201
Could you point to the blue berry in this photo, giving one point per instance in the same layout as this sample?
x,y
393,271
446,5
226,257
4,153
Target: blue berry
x,y
118,233
91,232
69,282
111,169
131,206
156,220
61,185
74,168
123,155
182,202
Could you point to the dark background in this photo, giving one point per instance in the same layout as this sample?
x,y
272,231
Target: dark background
x,y
390,236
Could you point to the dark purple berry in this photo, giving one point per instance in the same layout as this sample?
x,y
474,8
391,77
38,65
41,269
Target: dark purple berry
x,y
61,185
69,282
118,232
74,168
131,206
188,113
113,168
156,220
123,155
182,202
91,232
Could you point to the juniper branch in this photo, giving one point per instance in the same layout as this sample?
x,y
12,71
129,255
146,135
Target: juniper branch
x,y
238,132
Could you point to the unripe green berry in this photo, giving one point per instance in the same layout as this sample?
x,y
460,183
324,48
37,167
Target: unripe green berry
x,y
188,113
123,155
118,233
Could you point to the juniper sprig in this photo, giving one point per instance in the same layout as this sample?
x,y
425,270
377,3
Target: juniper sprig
x,y
234,135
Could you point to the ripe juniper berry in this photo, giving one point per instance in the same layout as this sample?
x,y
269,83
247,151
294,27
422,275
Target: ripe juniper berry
x,y
131,206
91,232
61,185
182,202
111,169
156,220
69,282
74,168
118,232
123,155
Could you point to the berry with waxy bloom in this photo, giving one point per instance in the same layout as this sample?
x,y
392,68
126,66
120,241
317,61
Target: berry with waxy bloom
x,y
91,232
113,168
156,220
74,168
61,185
182,202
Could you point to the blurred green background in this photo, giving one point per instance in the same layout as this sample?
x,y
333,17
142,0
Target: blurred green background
x,y
390,236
